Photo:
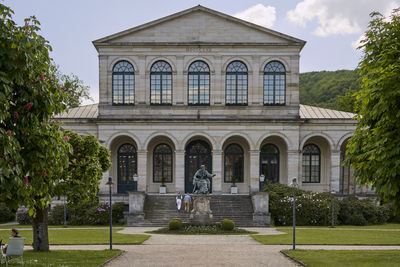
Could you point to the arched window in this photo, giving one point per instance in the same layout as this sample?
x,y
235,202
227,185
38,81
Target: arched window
x,y
234,163
162,163
269,163
274,83
199,84
123,83
127,167
311,164
161,83
236,83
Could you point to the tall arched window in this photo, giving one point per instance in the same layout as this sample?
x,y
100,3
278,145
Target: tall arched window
x,y
311,164
236,83
127,167
161,83
123,83
199,84
274,83
234,163
269,163
162,163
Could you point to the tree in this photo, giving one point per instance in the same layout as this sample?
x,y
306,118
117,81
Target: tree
x,y
374,149
35,152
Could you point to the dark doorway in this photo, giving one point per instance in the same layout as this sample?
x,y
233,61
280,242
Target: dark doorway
x,y
127,167
269,164
198,153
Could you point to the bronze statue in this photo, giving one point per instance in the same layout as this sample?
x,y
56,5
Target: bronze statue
x,y
201,181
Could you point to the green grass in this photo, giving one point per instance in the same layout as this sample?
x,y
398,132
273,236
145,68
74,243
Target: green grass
x,y
84,258
353,258
80,237
332,236
60,226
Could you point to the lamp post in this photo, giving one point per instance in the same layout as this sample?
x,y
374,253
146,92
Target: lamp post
x,y
294,185
333,208
110,183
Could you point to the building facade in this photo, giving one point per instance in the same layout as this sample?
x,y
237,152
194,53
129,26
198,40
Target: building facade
x,y
201,87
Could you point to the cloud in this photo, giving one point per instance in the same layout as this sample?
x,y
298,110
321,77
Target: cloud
x,y
338,17
259,14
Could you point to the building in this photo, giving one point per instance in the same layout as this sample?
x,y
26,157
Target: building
x,y
202,87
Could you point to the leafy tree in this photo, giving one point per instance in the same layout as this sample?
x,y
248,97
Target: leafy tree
x,y
374,149
34,150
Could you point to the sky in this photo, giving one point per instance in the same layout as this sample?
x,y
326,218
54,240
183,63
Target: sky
x,y
332,28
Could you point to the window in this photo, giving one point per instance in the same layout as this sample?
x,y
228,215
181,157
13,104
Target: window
x,y
199,84
274,83
234,163
161,83
127,167
311,164
269,163
236,83
123,83
162,163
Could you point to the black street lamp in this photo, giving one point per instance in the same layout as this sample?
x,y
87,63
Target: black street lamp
x,y
110,183
333,208
294,185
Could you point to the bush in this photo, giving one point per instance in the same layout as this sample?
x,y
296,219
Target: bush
x,y
23,216
227,225
89,213
311,208
175,224
6,215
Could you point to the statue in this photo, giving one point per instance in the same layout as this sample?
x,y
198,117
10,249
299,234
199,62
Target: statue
x,y
201,181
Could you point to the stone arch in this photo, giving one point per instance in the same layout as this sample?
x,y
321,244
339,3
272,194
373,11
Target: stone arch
x,y
281,60
342,139
149,139
116,60
117,135
198,135
166,59
244,136
198,58
322,135
236,58
281,135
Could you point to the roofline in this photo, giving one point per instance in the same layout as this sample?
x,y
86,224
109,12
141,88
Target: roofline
x,y
189,10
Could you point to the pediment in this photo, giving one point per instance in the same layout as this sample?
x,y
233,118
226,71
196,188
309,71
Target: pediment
x,y
199,25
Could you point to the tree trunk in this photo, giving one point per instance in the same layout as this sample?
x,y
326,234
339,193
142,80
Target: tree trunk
x,y
40,231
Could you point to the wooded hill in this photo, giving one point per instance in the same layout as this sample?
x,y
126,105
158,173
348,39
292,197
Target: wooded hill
x,y
329,89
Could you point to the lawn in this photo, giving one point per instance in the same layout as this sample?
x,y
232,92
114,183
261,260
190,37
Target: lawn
x,y
80,236
353,258
377,226
331,237
84,258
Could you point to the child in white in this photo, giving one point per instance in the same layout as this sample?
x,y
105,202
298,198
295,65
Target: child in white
x,y
179,201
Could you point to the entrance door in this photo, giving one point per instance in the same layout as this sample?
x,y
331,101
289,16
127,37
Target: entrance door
x,y
269,164
198,153
127,167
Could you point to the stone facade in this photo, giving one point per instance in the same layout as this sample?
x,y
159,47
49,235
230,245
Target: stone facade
x,y
216,39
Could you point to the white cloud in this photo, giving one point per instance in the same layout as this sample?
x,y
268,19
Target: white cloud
x,y
259,14
339,16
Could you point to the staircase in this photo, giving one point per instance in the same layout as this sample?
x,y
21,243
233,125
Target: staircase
x,y
160,209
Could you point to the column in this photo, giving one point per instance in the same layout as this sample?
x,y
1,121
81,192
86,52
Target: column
x,y
294,166
254,170
142,170
217,170
180,171
335,170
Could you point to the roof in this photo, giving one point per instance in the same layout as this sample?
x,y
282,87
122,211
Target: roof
x,y
306,112
105,40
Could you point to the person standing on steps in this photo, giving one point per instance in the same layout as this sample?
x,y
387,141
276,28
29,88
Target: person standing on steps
x,y
179,202
187,199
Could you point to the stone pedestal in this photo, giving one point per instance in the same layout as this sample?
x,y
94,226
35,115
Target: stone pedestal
x,y
261,215
201,213
136,205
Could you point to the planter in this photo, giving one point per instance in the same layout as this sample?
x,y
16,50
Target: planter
x,y
163,189
234,190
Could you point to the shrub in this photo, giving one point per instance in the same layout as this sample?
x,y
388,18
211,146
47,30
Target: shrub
x,y
6,215
56,215
23,216
227,225
175,224
311,208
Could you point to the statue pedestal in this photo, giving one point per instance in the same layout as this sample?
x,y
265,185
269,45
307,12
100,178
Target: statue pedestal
x,y
261,215
201,213
136,205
